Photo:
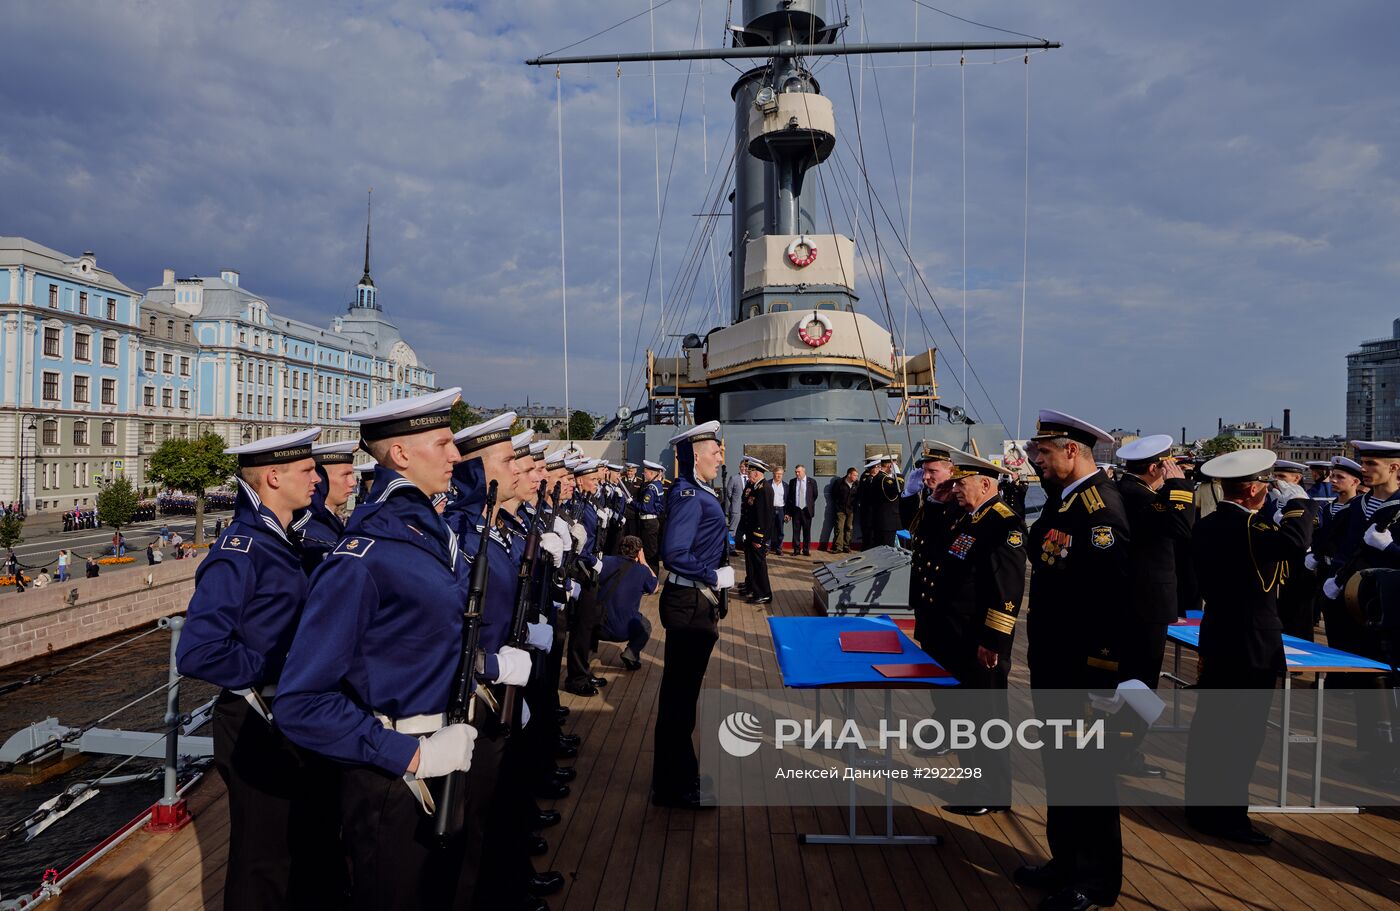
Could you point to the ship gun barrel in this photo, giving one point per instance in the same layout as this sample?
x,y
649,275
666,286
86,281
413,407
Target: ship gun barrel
x,y
766,52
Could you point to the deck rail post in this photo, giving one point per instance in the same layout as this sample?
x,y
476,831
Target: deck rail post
x,y
171,813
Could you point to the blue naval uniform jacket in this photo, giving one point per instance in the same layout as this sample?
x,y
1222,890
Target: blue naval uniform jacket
x,y
587,514
654,499
696,534
463,516
319,528
1352,522
248,595
381,632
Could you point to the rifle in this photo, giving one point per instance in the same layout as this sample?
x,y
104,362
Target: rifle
x,y
519,618
461,708
544,593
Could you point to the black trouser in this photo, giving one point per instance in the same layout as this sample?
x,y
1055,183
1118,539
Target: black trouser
x,y
983,694
882,538
284,848
691,632
1222,750
801,530
505,862
651,542
588,614
1144,647
756,568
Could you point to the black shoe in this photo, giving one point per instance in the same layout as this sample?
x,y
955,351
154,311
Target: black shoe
x,y
974,810
546,818
1071,899
632,664
766,599
548,790
561,712
598,681
570,740
536,846
563,774
546,883
581,689
806,552
1042,876
690,800
565,751
1137,766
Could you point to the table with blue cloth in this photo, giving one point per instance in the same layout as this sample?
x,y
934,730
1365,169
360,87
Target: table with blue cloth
x,y
810,657
1301,657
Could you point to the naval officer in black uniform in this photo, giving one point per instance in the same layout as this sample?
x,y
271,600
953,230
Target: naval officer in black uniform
x,y
928,532
1078,550
886,490
755,530
694,548
248,596
1241,553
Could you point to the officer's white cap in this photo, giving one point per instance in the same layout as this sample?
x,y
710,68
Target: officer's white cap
x,y
1145,449
1241,465
289,447
965,465
700,432
1053,424
757,464
487,433
401,417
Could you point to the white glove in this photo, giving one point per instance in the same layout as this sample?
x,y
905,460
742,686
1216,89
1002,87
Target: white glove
x,y
540,636
575,590
604,516
1331,589
1287,492
1378,539
725,576
561,528
1310,563
597,565
580,536
512,666
446,751
524,713
553,545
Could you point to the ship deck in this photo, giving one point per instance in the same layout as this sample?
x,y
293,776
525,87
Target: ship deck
x,y
618,852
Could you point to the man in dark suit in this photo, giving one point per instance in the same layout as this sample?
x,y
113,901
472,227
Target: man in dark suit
x,y
801,504
1241,552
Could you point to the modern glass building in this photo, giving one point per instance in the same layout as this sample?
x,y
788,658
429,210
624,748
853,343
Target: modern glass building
x,y
1373,389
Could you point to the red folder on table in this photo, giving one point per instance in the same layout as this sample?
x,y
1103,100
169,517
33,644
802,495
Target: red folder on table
x,y
910,670
885,642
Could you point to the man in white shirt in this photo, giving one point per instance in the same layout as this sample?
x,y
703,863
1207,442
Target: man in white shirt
x,y
779,511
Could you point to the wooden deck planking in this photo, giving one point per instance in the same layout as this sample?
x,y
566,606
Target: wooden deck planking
x,y
619,852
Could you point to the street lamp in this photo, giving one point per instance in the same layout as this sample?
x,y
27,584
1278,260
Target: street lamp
x,y
31,426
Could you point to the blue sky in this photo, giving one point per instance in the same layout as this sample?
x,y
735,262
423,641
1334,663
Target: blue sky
x,y
1214,197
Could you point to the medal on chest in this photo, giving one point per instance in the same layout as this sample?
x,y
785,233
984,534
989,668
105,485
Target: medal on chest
x,y
960,546
1055,546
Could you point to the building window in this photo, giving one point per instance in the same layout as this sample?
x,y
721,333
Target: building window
x,y
53,342
242,336
148,397
109,392
80,389
167,363
170,329
82,302
184,398
109,351
187,332
80,433
150,362
53,297
51,432
260,374
152,330
167,396
112,309
148,431
109,433
82,347
184,366
260,405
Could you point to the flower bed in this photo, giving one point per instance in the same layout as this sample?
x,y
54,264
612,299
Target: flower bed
x,y
10,580
112,561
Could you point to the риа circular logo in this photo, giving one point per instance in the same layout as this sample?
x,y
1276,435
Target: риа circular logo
x,y
740,734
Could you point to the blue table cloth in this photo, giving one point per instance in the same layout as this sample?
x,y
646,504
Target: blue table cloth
x,y
809,653
1302,656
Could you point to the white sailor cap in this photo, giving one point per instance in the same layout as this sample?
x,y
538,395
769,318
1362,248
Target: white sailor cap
x,y
1286,465
537,449
1241,465
278,450
1320,464
1342,463
401,417
700,432
966,465
559,458
586,466
1381,449
631,464
487,433
367,467
654,466
872,463
887,457
342,453
1053,424
1146,449
756,464
613,466
521,443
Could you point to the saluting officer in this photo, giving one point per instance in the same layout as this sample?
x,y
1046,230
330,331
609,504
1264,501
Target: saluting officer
x,y
978,584
694,547
1161,509
249,593
321,524
1078,550
370,673
885,492
1241,552
929,537
756,528
650,511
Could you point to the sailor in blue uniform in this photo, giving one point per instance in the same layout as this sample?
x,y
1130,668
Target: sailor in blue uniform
x,y
1321,486
695,548
248,596
371,668
587,615
651,510
320,525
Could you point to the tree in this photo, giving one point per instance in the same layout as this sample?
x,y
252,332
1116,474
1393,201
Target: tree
x,y
193,466
116,503
463,416
11,530
581,426
1219,446
541,426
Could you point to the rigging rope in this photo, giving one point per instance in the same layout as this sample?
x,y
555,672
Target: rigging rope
x,y
620,400
962,89
563,280
909,230
656,154
1025,253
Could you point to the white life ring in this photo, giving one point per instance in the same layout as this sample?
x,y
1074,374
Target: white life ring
x,y
808,338
803,259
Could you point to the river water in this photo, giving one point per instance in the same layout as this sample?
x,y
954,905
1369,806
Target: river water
x,y
79,697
